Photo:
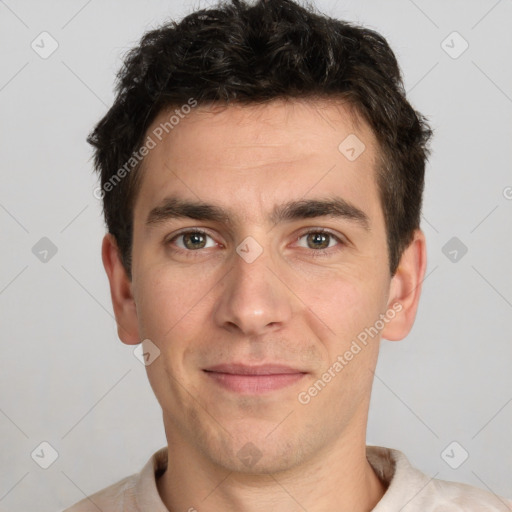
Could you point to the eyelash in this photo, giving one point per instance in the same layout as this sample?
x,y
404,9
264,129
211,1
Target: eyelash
x,y
188,252
320,253
314,252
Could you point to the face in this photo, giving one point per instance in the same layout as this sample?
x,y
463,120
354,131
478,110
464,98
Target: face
x,y
259,262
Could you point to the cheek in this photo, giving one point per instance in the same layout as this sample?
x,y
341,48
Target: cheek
x,y
170,311
350,308
161,303
344,301
174,312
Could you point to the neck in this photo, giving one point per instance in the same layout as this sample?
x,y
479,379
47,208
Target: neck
x,y
339,479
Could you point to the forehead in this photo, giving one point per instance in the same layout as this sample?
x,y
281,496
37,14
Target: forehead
x,y
260,155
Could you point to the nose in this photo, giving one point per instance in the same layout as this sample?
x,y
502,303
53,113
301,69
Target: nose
x,y
254,299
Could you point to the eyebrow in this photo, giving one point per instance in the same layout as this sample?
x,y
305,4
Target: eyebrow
x,y
176,208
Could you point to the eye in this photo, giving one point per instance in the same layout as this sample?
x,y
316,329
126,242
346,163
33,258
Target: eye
x,y
193,240
318,239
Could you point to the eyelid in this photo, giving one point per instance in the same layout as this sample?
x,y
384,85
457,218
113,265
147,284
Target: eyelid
x,y
171,238
340,238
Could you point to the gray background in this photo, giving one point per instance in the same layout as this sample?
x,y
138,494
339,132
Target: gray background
x,y
66,379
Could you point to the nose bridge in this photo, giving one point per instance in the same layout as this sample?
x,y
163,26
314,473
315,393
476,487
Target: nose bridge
x,y
253,299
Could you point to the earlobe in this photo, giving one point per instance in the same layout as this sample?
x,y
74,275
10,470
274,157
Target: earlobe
x,y
120,292
405,289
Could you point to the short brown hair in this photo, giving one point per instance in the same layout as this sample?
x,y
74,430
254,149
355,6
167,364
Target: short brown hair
x,y
237,52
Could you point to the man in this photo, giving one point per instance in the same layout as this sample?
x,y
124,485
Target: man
x,y
261,176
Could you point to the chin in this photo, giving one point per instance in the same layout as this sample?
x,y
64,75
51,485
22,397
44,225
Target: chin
x,y
256,455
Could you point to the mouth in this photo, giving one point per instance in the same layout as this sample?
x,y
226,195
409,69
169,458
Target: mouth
x,y
247,379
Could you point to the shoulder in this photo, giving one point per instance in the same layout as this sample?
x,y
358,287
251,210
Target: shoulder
x,y
457,497
410,490
131,494
112,499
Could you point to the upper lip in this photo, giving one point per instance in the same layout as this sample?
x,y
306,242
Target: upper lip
x,y
244,369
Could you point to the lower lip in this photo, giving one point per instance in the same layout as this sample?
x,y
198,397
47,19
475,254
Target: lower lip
x,y
255,383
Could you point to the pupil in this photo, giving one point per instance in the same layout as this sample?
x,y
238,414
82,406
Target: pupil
x,y
194,241
318,241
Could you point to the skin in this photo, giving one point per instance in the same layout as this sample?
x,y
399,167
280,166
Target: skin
x,y
209,306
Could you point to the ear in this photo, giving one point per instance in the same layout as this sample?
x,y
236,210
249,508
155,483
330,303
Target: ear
x,y
405,289
120,292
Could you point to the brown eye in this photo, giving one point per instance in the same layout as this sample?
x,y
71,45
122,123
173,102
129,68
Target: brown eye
x,y
317,240
193,240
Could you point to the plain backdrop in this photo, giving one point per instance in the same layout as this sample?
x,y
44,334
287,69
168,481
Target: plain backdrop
x,y
66,379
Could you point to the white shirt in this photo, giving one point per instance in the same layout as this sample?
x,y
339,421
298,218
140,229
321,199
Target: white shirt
x,y
408,490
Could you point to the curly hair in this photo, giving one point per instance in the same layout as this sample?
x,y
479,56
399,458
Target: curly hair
x,y
243,53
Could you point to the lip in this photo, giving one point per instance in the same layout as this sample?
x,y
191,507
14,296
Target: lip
x,y
246,369
257,379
